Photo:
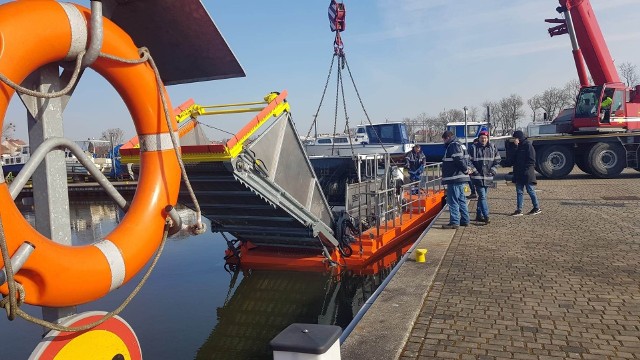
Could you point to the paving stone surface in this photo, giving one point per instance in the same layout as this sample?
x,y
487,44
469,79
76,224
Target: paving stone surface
x,y
564,284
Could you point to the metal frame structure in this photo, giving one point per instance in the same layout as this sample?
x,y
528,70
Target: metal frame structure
x,y
376,200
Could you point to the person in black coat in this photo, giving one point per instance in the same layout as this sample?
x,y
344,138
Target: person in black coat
x,y
523,161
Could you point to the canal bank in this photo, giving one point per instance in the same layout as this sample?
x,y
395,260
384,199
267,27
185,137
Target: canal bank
x,y
561,284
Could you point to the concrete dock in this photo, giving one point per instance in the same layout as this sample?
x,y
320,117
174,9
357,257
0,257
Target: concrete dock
x,y
561,284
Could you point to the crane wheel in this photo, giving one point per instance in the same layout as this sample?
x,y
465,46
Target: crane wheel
x,y
555,161
581,156
606,160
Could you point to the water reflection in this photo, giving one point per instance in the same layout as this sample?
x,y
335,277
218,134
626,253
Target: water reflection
x,y
192,308
265,302
90,221
94,220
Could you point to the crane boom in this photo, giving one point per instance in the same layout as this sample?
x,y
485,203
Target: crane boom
x,y
608,105
591,41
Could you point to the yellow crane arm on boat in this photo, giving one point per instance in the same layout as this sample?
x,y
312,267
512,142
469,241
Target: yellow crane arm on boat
x,y
271,106
196,110
235,145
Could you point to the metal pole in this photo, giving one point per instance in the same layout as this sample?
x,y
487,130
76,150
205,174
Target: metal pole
x,y
51,197
465,125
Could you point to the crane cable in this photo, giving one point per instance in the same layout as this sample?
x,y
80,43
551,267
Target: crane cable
x,y
337,16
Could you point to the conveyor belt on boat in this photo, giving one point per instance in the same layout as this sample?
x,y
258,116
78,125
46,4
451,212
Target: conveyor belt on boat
x,y
268,194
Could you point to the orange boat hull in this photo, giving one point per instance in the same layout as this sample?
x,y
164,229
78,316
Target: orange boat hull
x,y
376,249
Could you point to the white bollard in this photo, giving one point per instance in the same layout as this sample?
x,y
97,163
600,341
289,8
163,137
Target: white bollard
x,y
307,342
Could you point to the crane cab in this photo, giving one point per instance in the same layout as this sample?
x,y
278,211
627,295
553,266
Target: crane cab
x,y
610,108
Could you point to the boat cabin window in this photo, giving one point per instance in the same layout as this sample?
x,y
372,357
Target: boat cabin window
x,y
360,131
458,131
340,140
387,133
324,141
404,134
472,131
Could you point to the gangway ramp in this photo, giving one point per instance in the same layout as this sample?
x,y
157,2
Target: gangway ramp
x,y
261,190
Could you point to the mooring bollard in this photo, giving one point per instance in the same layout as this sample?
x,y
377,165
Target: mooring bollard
x,y
307,342
421,255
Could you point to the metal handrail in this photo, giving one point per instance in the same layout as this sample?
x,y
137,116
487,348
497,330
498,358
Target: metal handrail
x,y
388,207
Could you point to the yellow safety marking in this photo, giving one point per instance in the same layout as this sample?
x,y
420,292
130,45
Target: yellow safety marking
x,y
229,153
279,109
94,344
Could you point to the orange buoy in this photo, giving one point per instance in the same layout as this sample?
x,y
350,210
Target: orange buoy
x,y
36,33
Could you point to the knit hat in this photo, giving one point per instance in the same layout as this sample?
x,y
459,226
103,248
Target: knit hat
x,y
484,132
518,134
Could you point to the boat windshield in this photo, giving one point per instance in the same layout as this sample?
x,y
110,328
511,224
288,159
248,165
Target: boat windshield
x,y
387,134
588,99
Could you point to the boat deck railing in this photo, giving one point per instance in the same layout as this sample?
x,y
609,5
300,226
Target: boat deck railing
x,y
376,204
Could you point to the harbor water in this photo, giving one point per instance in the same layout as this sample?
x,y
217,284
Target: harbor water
x,y
193,307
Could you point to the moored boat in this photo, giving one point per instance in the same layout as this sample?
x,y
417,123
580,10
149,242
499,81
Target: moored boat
x,y
378,138
15,153
434,151
97,151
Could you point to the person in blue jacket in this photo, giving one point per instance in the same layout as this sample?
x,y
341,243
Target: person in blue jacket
x,y
485,159
455,175
414,162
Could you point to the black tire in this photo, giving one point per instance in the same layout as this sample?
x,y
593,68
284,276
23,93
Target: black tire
x,y
580,156
606,160
555,161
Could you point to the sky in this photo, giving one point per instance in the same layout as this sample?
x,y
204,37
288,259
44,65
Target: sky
x,y
407,57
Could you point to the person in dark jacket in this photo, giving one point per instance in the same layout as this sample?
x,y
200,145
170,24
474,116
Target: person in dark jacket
x,y
523,161
485,159
455,174
472,187
414,162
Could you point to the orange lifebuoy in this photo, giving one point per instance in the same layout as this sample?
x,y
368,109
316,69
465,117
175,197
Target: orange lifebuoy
x,y
36,33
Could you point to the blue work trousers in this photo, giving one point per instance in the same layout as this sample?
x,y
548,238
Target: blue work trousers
x,y
414,175
483,205
457,201
472,188
531,190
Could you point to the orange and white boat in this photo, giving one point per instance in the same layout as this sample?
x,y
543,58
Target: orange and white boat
x,y
262,189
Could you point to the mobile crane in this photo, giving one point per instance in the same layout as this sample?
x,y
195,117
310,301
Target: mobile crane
x,y
604,134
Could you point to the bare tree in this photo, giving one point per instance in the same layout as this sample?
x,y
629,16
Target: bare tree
x,y
114,135
572,89
495,117
534,105
425,128
451,115
7,131
511,109
411,127
629,72
474,113
553,100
